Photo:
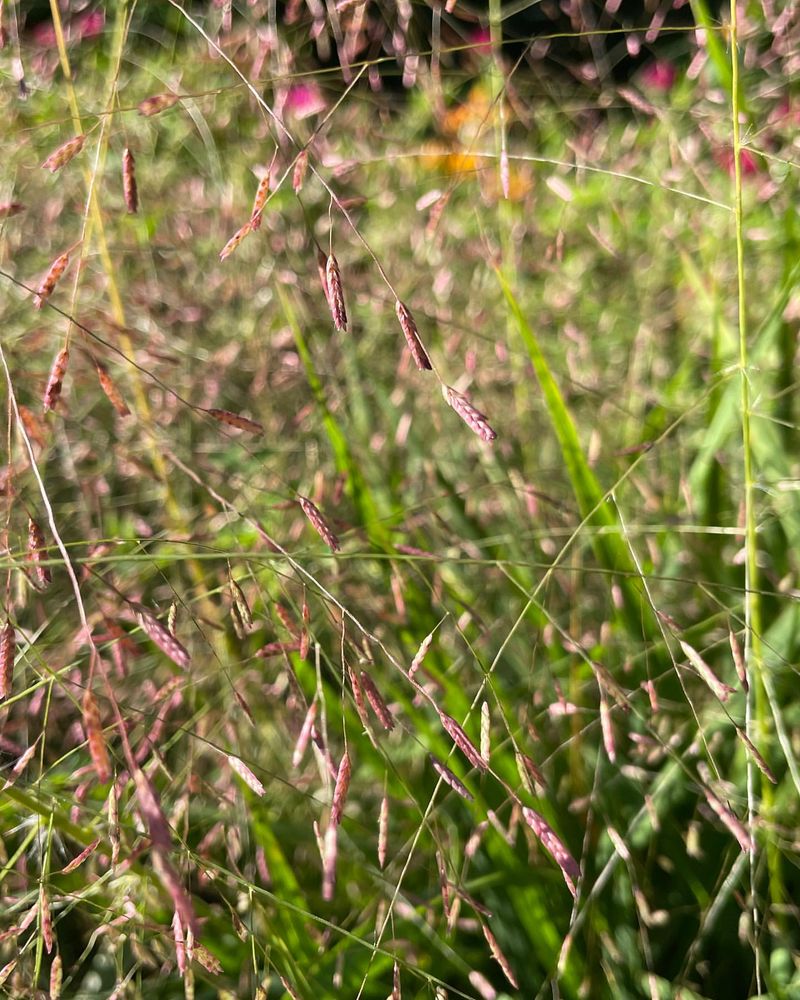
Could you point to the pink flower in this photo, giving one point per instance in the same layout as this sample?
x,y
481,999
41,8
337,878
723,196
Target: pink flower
x,y
659,75
304,100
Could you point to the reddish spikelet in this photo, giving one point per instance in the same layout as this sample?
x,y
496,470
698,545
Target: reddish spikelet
x,y
444,885
319,523
7,969
49,281
52,391
286,619
8,648
383,830
474,419
304,633
529,773
169,879
246,775
396,993
504,173
333,279
449,778
450,6
358,697
299,172
45,920
22,763
95,737
111,391
340,789
722,691
163,638
329,853
607,728
760,763
305,734
729,820
156,104
236,239
9,208
37,554
236,420
33,425
259,201
208,961
378,705
738,661
554,846
130,191
180,943
56,974
485,723
240,603
276,648
424,646
462,741
151,811
61,156
498,956
409,328
78,860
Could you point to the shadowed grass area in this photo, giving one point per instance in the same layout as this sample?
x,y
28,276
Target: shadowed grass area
x,y
563,659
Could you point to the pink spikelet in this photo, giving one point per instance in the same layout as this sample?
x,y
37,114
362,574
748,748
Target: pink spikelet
x,y
305,734
259,202
130,190
329,853
383,830
163,638
607,728
498,955
375,699
340,789
473,418
462,741
333,280
112,392
50,280
319,523
67,151
449,778
246,774
55,381
8,647
156,104
37,555
554,846
419,656
410,332
56,974
236,239
299,173
45,920
236,420
95,737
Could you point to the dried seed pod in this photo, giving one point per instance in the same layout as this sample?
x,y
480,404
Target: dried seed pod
x,y
474,419
340,789
52,391
111,391
259,201
409,328
37,554
165,641
333,279
61,156
236,420
9,208
8,648
358,697
49,281
449,778
156,104
129,189
236,239
299,172
95,737
378,705
321,526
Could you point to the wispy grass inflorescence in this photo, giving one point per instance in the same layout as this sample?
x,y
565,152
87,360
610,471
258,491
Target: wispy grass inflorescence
x,y
236,239
163,638
472,417
236,420
112,392
411,333
55,381
449,778
333,281
319,523
50,280
67,151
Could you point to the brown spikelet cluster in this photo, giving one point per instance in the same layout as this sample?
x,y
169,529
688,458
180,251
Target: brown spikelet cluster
x,y
449,778
50,280
8,648
554,846
329,854
340,789
333,281
319,523
60,157
375,699
52,391
462,741
95,737
299,172
259,201
498,955
240,603
33,425
112,392
156,104
409,328
236,239
236,420
164,639
9,208
474,419
129,189
37,555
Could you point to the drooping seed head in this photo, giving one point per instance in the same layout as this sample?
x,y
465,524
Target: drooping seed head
x,y
165,641
156,104
409,328
340,789
319,523
8,647
112,392
299,172
554,846
333,278
37,555
9,208
45,919
60,157
259,201
449,778
236,239
52,391
49,281
130,190
462,741
375,699
236,420
473,418
95,737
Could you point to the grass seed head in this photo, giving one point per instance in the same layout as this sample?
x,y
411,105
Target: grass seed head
x,y
55,381
554,846
449,778
163,638
474,419
8,647
37,554
299,172
236,239
409,328
45,920
340,789
112,392
236,420
259,201
129,189
95,737
156,104
462,741
9,208
319,523
60,157
56,975
333,280
50,280
378,705
383,830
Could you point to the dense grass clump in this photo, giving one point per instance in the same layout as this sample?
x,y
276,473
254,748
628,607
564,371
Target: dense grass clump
x,y
400,527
